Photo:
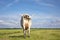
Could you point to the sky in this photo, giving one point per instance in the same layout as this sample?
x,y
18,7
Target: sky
x,y
44,13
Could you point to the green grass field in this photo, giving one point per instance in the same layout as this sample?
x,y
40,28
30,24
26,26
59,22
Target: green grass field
x,y
36,34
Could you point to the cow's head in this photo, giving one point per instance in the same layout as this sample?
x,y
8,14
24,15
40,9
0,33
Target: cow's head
x,y
26,17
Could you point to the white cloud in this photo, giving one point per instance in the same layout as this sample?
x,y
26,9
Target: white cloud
x,y
1,21
44,3
40,20
47,4
5,4
45,20
12,21
41,16
10,4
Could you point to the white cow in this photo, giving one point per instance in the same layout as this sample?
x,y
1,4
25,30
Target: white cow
x,y
26,24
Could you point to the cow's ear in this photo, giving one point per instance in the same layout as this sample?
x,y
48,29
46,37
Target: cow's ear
x,y
30,16
21,14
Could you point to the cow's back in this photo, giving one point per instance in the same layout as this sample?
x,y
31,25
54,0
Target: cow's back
x,y
21,22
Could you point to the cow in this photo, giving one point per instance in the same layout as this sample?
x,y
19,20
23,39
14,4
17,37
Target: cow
x,y
26,24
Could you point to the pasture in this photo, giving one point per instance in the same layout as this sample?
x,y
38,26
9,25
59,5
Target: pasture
x,y
36,34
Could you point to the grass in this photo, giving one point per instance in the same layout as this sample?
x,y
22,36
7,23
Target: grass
x,y
36,34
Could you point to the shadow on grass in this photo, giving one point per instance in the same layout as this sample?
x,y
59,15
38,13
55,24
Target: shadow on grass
x,y
56,35
20,36
4,33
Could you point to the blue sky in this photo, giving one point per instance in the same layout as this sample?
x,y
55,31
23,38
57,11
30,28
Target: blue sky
x,y
44,13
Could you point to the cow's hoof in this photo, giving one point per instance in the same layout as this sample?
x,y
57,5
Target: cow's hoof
x,y
29,36
24,37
